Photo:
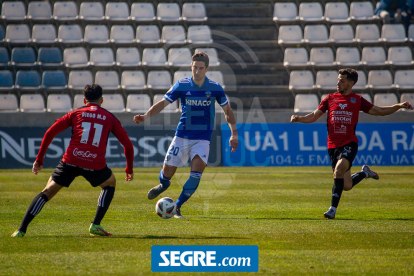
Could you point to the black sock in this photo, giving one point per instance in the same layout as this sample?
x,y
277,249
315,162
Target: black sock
x,y
357,177
33,210
104,201
337,189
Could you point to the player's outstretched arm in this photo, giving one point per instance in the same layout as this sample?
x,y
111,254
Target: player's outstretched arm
x,y
231,120
154,110
387,110
309,118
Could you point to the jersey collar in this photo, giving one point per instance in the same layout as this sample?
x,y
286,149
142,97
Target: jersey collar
x,y
193,84
92,104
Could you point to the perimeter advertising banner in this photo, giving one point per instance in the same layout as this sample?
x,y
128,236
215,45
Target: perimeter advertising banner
x,y
298,144
19,147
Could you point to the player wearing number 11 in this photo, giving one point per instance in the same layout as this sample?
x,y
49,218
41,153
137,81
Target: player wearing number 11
x,y
85,156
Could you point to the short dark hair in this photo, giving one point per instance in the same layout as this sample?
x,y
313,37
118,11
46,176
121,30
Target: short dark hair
x,y
351,74
92,92
200,57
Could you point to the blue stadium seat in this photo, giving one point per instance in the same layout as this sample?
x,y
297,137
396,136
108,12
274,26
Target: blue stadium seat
x,y
4,58
6,80
49,58
54,81
23,57
27,81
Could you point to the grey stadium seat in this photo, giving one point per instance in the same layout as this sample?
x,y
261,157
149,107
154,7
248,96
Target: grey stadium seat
x,y
285,13
79,79
290,35
336,12
212,55
385,99
148,34
362,11
373,56
301,81
117,12
199,35
361,84
39,11
65,11
367,34
32,103
179,57
341,34
326,80
154,57
311,12
143,12
133,81
102,58
59,103
306,103
171,108
173,35
194,12
17,34
347,57
122,35
128,58
322,57
108,80
295,58
75,58
400,56
70,34
393,33
44,34
138,103
13,11
316,35
114,103
8,103
404,80
159,80
178,75
380,80
169,12
96,35
91,12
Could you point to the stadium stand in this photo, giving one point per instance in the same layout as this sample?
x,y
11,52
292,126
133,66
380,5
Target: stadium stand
x,y
380,80
311,12
102,58
341,34
43,34
54,81
27,81
114,103
39,11
337,13
143,13
148,34
122,35
169,13
32,103
23,58
137,103
199,35
59,103
78,80
301,81
133,81
385,99
64,11
179,58
108,80
326,80
404,80
13,11
8,103
285,13
49,58
295,58
70,35
321,57
117,12
91,12
194,12
400,56
75,58
128,58
373,57
315,35
306,103
347,57
159,80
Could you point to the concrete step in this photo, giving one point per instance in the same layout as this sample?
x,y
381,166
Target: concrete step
x,y
238,44
261,79
227,10
237,21
251,56
244,32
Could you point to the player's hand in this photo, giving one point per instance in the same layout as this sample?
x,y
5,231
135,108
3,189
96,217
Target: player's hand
x,y
129,177
36,167
234,142
294,119
406,105
139,119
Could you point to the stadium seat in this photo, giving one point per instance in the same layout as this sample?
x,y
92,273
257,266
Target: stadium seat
x,y
290,35
91,12
341,34
117,12
143,12
54,81
102,58
65,11
404,80
75,58
301,81
122,35
194,12
8,103
148,34
113,103
108,80
373,56
13,11
133,81
407,97
154,57
311,12
385,99
32,103
362,11
171,108
316,35
380,80
138,103
326,80
216,76
285,13
178,75
128,58
295,58
168,13
321,57
361,84
59,103
400,56
212,55
78,101
2,35
17,34
4,58
347,57
159,80
306,103
393,33
39,11
28,81
23,58
6,81
336,12
180,57
49,58
44,34
79,79
199,35
411,33
367,34
70,35
96,35
173,35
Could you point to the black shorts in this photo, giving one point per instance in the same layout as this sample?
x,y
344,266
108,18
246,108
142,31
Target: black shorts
x,y
64,174
348,151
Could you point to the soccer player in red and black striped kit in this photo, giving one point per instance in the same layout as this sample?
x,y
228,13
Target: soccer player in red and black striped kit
x,y
85,156
343,111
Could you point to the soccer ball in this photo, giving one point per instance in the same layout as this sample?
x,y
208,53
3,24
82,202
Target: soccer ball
x,y
166,208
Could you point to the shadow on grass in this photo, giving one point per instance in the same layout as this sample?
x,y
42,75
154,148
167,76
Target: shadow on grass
x,y
153,237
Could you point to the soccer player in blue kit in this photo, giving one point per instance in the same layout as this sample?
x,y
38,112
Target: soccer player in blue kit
x,y
192,137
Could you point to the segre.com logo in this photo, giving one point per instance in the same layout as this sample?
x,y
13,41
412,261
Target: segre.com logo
x,y
204,258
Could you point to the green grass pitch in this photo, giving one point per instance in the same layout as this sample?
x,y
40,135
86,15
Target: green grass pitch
x,y
278,209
